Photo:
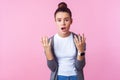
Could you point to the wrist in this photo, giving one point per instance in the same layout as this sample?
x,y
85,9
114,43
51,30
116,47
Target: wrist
x,y
48,51
81,53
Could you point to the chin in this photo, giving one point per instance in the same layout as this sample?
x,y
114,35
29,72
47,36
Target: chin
x,y
65,33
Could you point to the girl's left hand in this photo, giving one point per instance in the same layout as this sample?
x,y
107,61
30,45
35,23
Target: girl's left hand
x,y
80,42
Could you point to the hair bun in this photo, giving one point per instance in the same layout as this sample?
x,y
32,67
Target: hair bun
x,y
62,5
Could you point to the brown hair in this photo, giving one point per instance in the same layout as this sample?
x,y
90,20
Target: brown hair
x,y
62,7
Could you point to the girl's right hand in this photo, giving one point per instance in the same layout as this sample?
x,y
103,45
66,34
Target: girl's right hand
x,y
46,44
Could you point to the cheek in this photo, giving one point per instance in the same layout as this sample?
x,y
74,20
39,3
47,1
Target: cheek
x,y
69,24
58,24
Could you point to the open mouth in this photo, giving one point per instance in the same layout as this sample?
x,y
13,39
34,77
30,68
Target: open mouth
x,y
63,28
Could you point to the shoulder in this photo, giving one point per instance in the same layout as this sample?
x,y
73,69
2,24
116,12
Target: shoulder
x,y
51,37
74,34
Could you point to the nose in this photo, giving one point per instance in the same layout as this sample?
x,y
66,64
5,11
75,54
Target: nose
x,y
63,22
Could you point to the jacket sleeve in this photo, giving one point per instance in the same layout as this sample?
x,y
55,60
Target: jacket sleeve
x,y
79,64
52,65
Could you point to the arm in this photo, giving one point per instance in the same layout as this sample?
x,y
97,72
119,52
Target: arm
x,y
52,64
49,54
81,46
80,63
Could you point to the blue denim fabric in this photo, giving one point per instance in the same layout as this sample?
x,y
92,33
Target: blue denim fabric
x,y
67,77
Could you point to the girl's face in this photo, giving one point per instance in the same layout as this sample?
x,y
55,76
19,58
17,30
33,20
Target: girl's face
x,y
63,21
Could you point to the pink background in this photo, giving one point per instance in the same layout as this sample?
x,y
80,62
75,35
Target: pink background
x,y
23,22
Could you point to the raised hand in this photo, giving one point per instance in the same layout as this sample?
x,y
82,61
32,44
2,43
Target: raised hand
x,y
80,42
47,47
46,44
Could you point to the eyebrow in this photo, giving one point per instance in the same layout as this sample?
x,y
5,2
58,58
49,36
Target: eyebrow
x,y
64,18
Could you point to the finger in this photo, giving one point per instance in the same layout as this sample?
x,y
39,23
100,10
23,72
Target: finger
x,y
76,39
83,37
79,37
46,40
41,40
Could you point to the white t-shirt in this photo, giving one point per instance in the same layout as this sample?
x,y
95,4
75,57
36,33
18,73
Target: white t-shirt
x,y
65,52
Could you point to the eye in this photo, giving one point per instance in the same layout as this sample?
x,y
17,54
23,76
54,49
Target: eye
x,y
59,20
66,19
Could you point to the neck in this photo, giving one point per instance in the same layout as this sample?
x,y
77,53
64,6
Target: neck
x,y
64,35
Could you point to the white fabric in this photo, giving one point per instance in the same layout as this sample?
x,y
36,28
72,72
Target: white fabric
x,y
65,52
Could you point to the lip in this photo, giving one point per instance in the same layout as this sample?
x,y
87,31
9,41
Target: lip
x,y
63,29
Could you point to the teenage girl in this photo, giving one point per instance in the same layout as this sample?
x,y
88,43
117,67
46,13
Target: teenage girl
x,y
65,51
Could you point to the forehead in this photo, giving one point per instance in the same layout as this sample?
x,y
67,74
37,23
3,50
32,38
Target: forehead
x,y
62,15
